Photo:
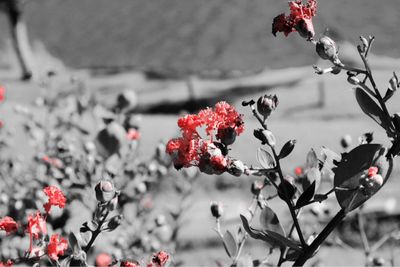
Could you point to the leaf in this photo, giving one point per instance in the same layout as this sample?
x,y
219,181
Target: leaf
x,y
230,244
74,244
269,221
369,107
287,149
245,261
272,238
352,166
286,190
265,159
312,160
306,196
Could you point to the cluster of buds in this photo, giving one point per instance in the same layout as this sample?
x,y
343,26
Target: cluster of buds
x,y
370,181
106,194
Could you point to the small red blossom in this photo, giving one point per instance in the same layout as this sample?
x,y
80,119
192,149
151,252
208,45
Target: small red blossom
x,y
159,259
372,171
56,247
298,171
300,19
8,224
8,263
36,225
56,198
2,93
103,260
127,263
133,134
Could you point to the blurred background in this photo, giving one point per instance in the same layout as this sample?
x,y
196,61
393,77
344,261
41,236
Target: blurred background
x,y
179,56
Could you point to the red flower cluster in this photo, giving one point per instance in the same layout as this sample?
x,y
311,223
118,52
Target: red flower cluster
x,y
8,224
192,150
300,19
56,198
159,259
57,246
103,260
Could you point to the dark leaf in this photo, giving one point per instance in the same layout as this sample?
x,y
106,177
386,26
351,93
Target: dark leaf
x,y
369,107
272,238
265,159
306,196
287,149
230,244
269,221
352,166
286,190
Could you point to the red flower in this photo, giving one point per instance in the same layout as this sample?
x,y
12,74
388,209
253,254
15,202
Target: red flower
x,y
9,263
53,161
129,264
300,19
36,225
372,171
133,134
159,259
191,149
8,224
56,246
103,260
56,198
298,171
2,93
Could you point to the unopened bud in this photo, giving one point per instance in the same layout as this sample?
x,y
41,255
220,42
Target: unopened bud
x,y
236,167
287,149
216,209
346,141
326,48
114,222
256,187
266,104
160,220
127,99
365,43
227,135
265,136
112,205
105,191
378,261
353,80
394,82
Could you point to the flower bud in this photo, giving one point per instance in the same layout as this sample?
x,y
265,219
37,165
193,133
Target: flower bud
x,y
105,191
111,138
114,222
265,136
226,135
256,187
236,167
346,141
378,261
326,48
216,209
365,44
127,99
353,80
160,220
112,205
287,149
266,104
